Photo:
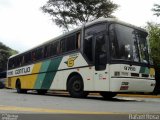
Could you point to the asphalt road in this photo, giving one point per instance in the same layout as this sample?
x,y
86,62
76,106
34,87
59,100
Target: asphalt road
x,y
61,104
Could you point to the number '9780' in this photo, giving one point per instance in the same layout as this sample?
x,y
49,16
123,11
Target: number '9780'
x,y
129,68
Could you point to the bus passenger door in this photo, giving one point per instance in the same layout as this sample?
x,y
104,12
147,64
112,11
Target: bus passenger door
x,y
101,78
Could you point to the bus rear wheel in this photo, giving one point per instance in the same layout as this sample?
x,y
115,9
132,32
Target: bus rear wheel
x,y
18,87
75,87
41,92
107,95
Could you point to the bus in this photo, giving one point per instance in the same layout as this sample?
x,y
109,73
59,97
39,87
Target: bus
x,y
105,56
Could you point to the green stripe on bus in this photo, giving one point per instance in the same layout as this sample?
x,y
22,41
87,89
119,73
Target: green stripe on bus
x,y
142,70
147,70
41,77
50,75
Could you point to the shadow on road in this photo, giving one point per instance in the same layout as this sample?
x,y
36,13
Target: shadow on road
x,y
90,96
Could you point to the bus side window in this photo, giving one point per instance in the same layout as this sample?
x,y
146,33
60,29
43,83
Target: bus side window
x,y
62,46
88,41
71,43
19,61
39,53
11,63
23,60
100,52
33,56
46,51
57,47
28,57
53,48
78,40
90,32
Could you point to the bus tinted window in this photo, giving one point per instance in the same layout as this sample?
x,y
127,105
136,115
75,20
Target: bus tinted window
x,y
62,46
71,43
11,63
54,48
27,57
46,51
33,55
88,47
126,43
94,29
78,40
88,41
39,53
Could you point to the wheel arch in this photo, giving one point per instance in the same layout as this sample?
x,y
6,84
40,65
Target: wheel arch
x,y
17,81
71,75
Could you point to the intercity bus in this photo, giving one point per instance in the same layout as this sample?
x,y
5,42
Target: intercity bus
x,y
106,56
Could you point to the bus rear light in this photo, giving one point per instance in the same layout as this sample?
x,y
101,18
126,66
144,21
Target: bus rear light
x,y
124,87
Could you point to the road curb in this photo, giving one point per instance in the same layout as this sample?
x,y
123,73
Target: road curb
x,y
140,96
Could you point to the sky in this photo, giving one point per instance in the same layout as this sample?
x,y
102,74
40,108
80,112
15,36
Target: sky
x,y
23,25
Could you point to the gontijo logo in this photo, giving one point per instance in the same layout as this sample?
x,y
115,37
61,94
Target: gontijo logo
x,y
70,61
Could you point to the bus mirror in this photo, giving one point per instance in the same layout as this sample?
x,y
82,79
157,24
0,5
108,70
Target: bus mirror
x,y
103,59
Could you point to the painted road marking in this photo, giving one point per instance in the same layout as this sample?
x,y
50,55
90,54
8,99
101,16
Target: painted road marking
x,y
44,110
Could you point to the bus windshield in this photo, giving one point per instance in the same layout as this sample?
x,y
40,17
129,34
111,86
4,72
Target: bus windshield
x,y
128,44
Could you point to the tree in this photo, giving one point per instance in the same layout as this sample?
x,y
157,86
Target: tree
x,y
5,53
154,40
70,13
156,10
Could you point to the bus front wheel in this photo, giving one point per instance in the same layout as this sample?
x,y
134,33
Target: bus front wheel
x,y
75,87
18,87
107,95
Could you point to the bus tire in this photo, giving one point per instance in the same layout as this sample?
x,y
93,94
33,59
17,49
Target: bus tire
x,y
108,95
41,92
18,87
75,87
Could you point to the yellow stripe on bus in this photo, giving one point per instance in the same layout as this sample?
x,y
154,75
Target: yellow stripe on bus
x,y
28,81
33,77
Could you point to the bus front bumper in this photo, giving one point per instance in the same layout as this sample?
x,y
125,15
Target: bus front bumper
x,y
131,85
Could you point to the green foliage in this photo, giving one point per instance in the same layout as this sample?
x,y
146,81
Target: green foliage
x,y
156,10
154,39
5,53
69,13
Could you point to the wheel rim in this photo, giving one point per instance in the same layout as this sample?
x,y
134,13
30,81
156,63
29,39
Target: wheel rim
x,y
77,86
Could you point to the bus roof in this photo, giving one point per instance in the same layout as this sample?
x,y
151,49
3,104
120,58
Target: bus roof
x,y
113,20
100,20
